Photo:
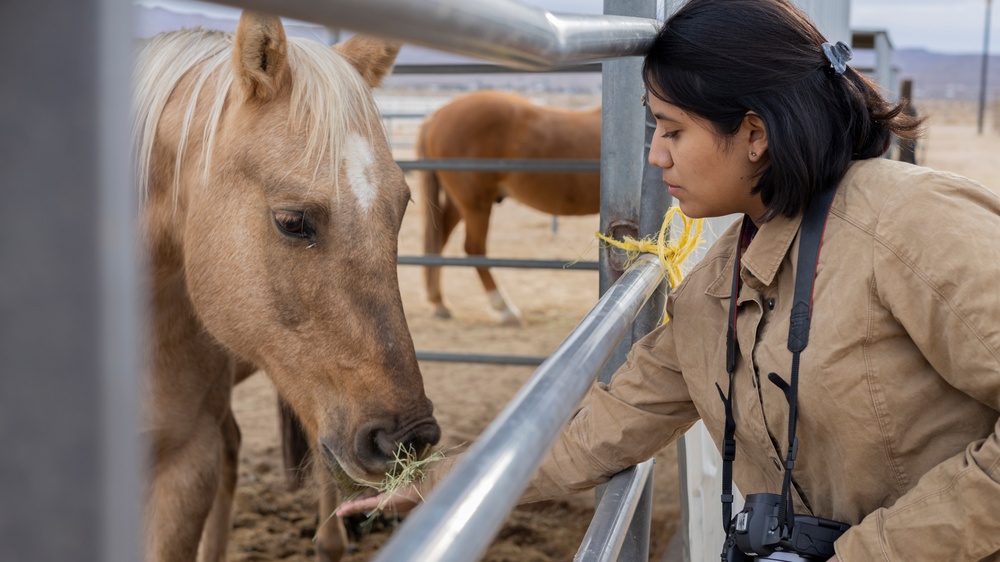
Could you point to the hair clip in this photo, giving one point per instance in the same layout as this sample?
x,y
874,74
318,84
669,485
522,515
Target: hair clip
x,y
838,55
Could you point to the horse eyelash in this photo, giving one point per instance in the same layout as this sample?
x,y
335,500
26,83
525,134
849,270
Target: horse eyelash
x,y
307,233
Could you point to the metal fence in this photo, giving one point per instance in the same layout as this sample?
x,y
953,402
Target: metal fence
x,y
69,314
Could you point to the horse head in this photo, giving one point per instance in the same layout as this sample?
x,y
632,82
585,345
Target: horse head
x,y
288,234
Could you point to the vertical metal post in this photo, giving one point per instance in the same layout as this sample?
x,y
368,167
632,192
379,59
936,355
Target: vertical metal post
x,y
623,157
985,66
631,200
907,147
69,327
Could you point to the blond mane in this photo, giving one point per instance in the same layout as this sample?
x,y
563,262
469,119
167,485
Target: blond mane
x,y
328,97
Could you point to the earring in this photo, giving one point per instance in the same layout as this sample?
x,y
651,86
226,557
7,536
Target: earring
x,y
753,154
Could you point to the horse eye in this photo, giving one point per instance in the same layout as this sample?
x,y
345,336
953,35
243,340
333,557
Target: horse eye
x,y
292,223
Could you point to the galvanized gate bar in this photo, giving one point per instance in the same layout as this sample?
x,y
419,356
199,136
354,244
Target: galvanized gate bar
x,y
612,517
504,31
473,261
464,513
473,68
633,203
445,357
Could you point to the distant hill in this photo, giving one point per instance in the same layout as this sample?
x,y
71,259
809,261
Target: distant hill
x,y
941,76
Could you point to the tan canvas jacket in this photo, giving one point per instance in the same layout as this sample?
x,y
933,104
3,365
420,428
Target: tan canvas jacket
x,y
899,387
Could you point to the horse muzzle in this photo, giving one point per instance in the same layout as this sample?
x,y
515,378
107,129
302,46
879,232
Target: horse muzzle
x,y
377,444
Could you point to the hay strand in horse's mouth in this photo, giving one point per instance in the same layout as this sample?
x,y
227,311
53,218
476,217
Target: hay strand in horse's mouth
x,y
407,467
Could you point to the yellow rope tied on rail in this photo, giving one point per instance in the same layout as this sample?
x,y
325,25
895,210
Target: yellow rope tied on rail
x,y
671,255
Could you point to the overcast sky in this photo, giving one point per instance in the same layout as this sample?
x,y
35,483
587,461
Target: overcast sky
x,y
945,26
954,26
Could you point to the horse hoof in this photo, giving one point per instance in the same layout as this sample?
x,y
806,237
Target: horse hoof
x,y
441,312
511,320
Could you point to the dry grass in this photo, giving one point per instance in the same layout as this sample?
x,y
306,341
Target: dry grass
x,y
407,467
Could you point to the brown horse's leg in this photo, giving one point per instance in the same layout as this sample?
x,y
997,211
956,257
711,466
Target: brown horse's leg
x,y
477,222
450,217
331,538
435,237
216,534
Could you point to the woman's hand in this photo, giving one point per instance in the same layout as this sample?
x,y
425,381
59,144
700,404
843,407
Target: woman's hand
x,y
405,498
401,501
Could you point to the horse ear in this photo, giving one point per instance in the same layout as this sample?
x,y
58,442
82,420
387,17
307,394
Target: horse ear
x,y
261,55
373,58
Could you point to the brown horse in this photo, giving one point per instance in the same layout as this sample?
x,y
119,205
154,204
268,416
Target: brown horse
x,y
271,207
491,124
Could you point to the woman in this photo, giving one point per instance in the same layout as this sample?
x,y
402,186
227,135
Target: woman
x,y
898,393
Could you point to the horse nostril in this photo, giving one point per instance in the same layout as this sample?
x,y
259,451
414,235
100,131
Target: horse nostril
x,y
375,448
422,437
385,445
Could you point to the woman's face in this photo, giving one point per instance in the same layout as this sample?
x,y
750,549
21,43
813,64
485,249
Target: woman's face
x,y
708,176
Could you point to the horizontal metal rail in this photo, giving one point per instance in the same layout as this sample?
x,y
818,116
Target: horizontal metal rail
x,y
464,513
501,165
446,357
504,31
482,69
607,530
521,360
404,115
473,261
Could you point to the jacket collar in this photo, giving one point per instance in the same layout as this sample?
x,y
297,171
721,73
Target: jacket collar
x,y
761,259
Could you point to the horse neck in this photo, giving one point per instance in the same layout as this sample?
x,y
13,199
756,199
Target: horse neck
x,y
173,315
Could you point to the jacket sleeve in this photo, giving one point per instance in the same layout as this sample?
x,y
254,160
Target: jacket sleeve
x,y
937,269
644,408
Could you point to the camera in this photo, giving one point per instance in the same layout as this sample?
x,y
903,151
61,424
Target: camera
x,y
756,534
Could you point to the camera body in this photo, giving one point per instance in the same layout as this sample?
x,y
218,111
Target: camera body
x,y
757,534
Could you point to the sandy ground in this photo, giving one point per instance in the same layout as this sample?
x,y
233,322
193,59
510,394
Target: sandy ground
x,y
274,524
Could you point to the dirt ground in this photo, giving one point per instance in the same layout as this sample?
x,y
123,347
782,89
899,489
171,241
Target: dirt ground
x,y
271,523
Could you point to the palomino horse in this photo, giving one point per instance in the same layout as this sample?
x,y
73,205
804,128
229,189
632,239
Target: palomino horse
x,y
500,125
271,207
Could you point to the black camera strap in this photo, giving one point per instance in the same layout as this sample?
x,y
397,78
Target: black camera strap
x,y
813,225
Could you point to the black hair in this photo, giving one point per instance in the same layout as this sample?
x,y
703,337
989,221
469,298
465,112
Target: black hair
x,y
719,59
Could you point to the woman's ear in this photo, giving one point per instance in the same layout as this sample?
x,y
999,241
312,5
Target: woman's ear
x,y
755,133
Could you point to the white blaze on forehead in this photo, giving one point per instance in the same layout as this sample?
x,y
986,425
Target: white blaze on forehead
x,y
358,161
